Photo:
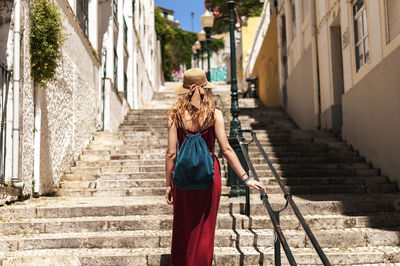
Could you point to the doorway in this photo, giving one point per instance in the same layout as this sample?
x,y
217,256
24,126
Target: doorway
x,y
337,74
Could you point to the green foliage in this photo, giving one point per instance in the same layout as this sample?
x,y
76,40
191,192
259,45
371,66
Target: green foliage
x,y
247,8
176,45
45,40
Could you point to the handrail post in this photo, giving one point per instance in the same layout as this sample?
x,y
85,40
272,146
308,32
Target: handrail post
x,y
274,215
277,244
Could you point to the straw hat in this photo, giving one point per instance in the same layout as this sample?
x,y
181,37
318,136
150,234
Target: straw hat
x,y
192,76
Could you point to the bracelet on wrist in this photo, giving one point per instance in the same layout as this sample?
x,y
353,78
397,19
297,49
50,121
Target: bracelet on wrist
x,y
243,175
247,180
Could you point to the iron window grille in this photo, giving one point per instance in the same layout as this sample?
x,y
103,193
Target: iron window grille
x,y
293,17
125,86
115,8
361,33
115,70
82,7
125,32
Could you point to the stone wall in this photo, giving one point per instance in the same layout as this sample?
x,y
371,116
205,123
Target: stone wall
x,y
69,106
300,93
371,121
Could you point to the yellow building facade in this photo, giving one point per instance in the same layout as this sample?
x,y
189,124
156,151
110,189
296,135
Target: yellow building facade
x,y
261,47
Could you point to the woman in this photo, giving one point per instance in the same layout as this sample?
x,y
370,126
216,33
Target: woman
x,y
195,211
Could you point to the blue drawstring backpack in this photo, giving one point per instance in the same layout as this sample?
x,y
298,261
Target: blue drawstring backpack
x,y
194,168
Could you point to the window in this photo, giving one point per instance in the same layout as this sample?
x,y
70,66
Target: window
x,y
392,19
360,33
293,16
125,86
115,8
125,32
82,14
115,69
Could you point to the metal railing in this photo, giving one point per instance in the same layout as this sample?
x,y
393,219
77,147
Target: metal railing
x,y
5,79
274,215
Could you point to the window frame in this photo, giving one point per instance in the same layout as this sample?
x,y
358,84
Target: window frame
x,y
82,14
115,69
364,38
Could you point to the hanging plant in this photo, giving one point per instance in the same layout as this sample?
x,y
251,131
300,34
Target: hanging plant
x,y
46,39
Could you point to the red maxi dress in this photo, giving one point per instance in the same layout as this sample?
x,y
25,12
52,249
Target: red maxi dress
x,y
195,215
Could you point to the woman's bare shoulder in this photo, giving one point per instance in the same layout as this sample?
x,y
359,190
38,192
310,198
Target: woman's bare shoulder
x,y
218,114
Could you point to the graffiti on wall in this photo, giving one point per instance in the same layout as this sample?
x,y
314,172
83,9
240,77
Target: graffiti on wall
x,y
218,74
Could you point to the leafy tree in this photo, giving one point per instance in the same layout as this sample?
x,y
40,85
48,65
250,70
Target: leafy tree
x,y
176,45
247,8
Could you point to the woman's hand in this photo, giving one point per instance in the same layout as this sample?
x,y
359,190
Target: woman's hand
x,y
255,184
169,195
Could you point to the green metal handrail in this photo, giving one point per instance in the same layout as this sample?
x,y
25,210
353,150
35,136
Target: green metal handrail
x,y
274,215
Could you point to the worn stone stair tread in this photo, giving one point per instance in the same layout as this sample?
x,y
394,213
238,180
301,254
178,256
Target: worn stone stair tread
x,y
224,221
151,186
123,191
259,160
322,222
223,238
109,239
103,252
150,233
338,256
61,201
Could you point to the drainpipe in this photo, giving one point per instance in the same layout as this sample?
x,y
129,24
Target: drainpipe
x,y
16,180
36,156
317,86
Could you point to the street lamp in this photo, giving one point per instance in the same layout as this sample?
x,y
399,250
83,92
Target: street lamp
x,y
197,46
201,36
207,21
194,51
236,184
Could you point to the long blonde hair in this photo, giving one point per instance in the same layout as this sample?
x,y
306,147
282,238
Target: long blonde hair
x,y
183,104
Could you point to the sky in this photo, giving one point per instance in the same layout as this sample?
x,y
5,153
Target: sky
x,y
182,9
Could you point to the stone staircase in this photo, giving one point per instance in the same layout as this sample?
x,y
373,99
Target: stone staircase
x,y
111,210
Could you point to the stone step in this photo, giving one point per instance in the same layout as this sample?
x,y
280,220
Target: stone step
x,y
120,189
126,147
68,207
256,160
118,192
332,238
162,125
323,204
280,165
256,157
222,256
328,204
148,179
110,239
266,172
164,222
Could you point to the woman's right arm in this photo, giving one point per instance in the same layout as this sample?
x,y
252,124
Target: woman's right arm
x,y
229,153
170,158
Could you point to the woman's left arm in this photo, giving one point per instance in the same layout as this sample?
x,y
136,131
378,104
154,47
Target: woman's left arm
x,y
170,158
